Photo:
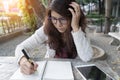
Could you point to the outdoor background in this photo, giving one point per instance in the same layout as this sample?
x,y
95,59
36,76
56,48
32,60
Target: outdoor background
x,y
20,18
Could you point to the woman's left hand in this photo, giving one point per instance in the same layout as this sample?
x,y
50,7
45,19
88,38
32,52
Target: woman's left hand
x,y
75,16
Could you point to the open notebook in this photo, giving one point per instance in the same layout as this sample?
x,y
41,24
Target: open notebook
x,y
48,70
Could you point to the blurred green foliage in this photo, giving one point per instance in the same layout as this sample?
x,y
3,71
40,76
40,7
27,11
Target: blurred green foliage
x,y
28,15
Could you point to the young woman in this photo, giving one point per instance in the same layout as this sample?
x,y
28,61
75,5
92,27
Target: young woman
x,y
64,32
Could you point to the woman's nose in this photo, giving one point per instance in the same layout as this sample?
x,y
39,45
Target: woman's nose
x,y
58,23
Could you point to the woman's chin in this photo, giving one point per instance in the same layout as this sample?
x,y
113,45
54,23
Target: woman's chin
x,y
61,31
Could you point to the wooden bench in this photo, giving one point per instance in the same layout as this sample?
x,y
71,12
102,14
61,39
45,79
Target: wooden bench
x,y
116,39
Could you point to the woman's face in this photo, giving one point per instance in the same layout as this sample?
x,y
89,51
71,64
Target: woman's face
x,y
60,23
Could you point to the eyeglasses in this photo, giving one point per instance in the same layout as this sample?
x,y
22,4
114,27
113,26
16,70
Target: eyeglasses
x,y
63,21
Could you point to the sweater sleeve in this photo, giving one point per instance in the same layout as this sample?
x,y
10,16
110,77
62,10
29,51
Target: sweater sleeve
x,y
37,39
83,46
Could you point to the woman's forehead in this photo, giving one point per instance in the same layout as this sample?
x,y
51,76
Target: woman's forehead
x,y
55,14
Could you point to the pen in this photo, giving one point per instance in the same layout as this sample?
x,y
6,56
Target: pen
x,y
28,58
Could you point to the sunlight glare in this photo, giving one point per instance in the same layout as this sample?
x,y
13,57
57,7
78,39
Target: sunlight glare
x,y
10,5
6,6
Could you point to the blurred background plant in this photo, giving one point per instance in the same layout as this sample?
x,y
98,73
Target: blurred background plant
x,y
28,14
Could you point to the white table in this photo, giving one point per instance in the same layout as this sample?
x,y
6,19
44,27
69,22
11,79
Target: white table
x,y
8,66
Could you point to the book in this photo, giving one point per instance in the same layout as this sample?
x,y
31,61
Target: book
x,y
48,70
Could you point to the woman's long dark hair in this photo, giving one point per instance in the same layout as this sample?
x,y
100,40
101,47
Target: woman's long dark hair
x,y
56,40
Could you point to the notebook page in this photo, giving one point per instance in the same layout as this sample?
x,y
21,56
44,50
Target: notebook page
x,y
36,76
58,70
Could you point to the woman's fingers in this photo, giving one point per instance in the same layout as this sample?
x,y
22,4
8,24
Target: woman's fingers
x,y
75,11
76,7
35,66
72,11
27,68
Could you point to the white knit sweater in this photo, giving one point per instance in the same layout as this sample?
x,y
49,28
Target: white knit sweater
x,y
82,44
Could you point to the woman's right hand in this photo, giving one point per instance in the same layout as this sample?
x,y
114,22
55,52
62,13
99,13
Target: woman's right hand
x,y
26,67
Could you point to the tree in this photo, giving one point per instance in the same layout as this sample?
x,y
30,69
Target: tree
x,y
88,1
46,2
33,12
107,15
79,1
39,11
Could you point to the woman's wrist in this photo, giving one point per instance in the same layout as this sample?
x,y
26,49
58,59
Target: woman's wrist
x,y
75,29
